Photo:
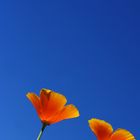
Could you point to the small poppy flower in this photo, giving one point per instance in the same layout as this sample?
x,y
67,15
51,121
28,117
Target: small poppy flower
x,y
51,108
104,131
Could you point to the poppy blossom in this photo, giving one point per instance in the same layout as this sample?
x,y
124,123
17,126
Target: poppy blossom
x,y
104,131
50,107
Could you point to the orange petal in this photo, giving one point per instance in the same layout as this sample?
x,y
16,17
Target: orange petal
x,y
44,98
122,134
35,101
52,102
68,112
101,129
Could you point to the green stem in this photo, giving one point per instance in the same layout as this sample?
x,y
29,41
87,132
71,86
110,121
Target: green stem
x,y
41,131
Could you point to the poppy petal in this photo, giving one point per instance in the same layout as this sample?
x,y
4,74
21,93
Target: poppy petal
x,y
101,129
122,134
52,102
35,101
44,98
68,112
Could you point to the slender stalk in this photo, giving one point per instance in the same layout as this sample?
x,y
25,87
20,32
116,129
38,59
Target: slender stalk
x,y
41,131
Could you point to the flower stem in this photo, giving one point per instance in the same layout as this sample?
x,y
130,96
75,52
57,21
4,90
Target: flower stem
x,y
41,131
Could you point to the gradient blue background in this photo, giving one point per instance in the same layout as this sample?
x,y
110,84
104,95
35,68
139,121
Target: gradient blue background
x,y
89,50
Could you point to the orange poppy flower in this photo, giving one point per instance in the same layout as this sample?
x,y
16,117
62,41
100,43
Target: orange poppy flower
x,y
104,131
51,108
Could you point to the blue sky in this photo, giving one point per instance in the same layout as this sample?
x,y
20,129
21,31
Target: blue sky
x,y
87,50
